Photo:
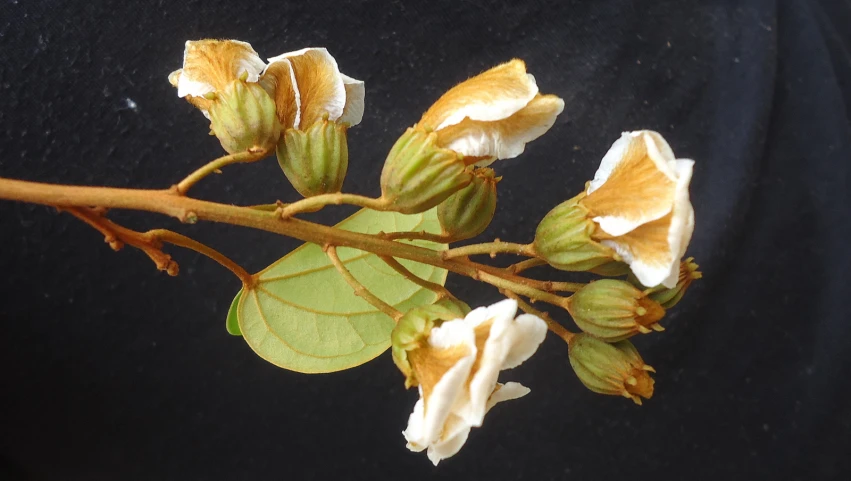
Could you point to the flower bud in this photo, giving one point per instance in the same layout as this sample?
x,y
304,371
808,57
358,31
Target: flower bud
x,y
243,118
615,369
418,174
315,161
468,212
413,330
563,239
613,310
668,298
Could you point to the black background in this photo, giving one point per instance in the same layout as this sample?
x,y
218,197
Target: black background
x,y
112,370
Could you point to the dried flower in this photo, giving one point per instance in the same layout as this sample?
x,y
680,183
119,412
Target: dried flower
x,y
456,368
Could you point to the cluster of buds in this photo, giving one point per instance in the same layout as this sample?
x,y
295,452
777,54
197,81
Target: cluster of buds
x,y
299,105
634,220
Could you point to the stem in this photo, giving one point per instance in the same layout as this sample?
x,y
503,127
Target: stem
x,y
317,202
530,292
151,243
188,209
239,158
181,240
441,291
359,288
552,325
527,264
492,248
420,235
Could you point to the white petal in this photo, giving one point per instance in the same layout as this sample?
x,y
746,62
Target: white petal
x,y
245,60
454,436
414,433
445,393
187,86
492,109
355,93
507,392
527,333
320,83
658,149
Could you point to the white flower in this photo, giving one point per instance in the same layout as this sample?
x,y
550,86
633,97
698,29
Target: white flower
x,y
457,371
210,65
307,85
492,115
639,199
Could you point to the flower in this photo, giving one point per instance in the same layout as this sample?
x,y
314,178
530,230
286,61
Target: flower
x,y
209,66
456,368
640,203
307,86
492,115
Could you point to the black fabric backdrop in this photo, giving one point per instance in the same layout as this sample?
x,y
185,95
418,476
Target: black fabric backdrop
x,y
112,370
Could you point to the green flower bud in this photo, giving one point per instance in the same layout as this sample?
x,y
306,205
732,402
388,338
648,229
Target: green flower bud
x,y
668,298
418,174
468,212
315,160
613,310
563,239
243,118
413,329
614,369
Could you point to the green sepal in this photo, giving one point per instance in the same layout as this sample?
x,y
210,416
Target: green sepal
x,y
315,160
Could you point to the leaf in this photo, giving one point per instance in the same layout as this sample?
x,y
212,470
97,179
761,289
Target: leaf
x,y
232,322
303,316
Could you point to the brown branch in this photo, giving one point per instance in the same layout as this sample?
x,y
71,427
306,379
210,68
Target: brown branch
x,y
552,325
441,291
360,290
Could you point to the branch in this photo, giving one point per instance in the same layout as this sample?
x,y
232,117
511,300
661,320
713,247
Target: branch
x,y
359,288
441,291
552,325
151,243
491,248
239,158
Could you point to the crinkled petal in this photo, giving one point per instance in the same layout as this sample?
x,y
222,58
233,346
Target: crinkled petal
x,y
451,355
492,95
455,433
653,250
494,339
355,93
527,333
507,392
634,185
210,65
279,81
320,84
486,142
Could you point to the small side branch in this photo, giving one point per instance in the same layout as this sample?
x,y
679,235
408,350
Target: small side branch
x,y
317,202
552,325
215,166
530,292
442,292
527,264
360,290
151,243
419,235
492,249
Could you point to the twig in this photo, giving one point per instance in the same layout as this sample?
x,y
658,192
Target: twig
x,y
359,288
491,248
239,158
441,291
552,325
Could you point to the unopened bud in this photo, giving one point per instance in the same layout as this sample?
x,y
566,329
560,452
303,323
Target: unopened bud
x,y
243,118
614,369
668,298
563,239
315,160
613,310
413,329
418,174
468,212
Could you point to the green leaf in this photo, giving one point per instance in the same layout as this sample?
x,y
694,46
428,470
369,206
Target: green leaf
x,y
232,322
303,316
